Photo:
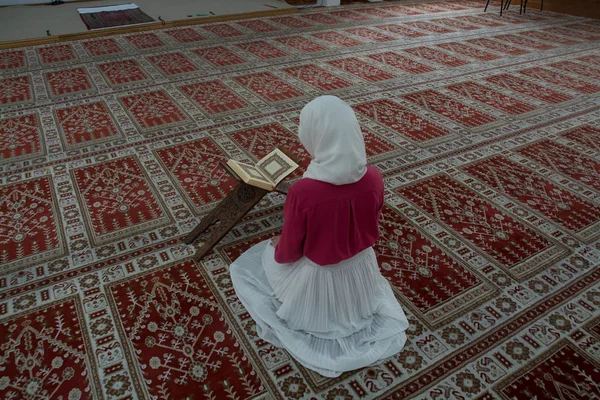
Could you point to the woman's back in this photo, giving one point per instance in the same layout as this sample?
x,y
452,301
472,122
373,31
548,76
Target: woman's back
x,y
330,223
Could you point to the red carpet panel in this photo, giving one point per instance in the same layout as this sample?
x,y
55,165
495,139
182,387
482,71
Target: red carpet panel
x,y
486,128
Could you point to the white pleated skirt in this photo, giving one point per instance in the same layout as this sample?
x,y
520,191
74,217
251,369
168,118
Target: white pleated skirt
x,y
330,319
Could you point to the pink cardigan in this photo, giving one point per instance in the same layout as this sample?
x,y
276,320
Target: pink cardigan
x,y
328,223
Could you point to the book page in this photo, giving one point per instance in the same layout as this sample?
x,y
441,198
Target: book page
x,y
251,174
254,172
277,166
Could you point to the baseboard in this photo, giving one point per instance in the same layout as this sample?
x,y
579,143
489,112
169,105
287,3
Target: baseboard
x,y
142,27
580,8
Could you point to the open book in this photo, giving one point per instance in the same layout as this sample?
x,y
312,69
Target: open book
x,y
268,172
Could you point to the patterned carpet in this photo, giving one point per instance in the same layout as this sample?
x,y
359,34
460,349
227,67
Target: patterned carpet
x,y
486,128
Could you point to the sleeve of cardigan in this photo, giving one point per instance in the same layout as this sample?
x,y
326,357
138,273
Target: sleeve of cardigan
x,y
291,244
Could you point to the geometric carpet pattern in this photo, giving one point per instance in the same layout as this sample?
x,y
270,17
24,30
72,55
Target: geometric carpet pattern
x,y
487,132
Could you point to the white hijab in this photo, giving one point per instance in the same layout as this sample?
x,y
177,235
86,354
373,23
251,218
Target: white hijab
x,y
332,136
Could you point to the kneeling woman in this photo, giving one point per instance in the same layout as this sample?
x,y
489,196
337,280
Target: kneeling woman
x,y
317,290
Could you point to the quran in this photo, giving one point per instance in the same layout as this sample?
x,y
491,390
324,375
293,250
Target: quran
x,y
268,172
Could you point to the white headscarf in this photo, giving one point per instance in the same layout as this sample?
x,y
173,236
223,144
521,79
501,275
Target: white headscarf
x,y
332,136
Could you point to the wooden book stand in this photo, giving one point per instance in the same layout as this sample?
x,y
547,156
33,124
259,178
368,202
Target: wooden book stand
x,y
231,210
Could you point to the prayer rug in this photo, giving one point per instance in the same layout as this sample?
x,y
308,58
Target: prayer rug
x,y
487,132
110,16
